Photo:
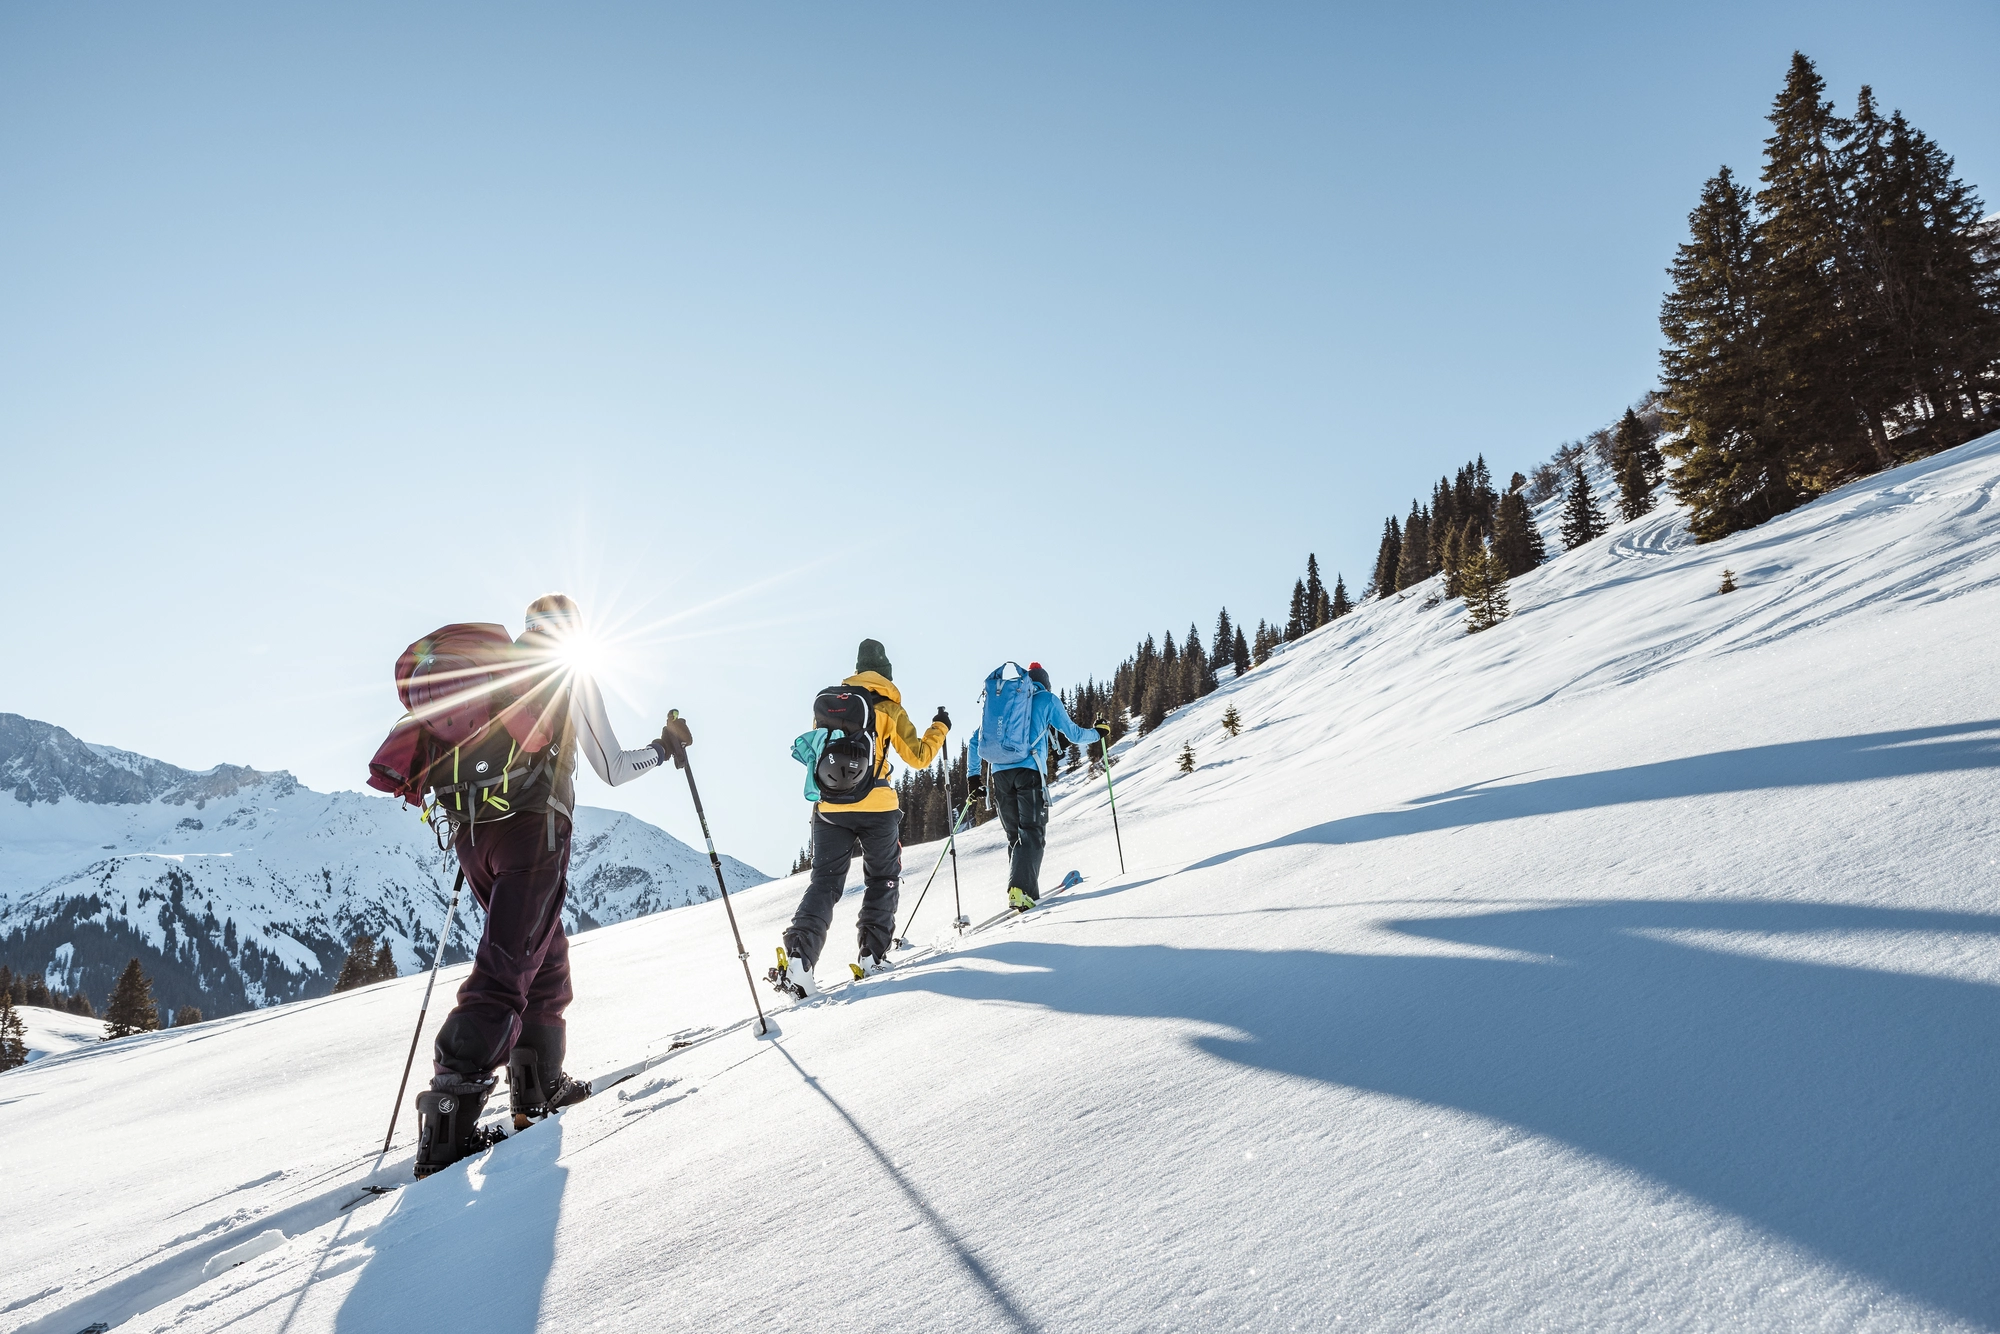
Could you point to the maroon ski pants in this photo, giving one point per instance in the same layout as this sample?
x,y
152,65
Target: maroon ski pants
x,y
520,972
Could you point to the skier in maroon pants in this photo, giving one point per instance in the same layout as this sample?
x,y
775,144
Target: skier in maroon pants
x,y
513,829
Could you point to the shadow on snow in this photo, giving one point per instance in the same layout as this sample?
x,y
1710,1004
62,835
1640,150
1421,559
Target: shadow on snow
x,y
464,1254
1853,1110
1849,759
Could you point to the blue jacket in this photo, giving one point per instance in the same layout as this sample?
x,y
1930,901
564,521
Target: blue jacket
x,y
1046,711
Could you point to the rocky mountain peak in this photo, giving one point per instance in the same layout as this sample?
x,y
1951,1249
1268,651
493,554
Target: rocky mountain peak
x,y
40,762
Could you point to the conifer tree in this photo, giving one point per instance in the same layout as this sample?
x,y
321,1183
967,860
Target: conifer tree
x,y
1932,296
1340,606
1632,439
1444,518
187,1014
385,969
1315,611
1485,579
1454,558
1383,584
79,1004
1239,653
131,1009
13,1033
1232,721
358,969
1515,540
1582,520
1811,289
1413,565
1261,649
1186,761
1635,494
1296,625
1225,637
38,992
1198,678
1716,373
1156,709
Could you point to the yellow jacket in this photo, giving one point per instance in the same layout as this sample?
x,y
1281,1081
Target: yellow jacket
x,y
891,724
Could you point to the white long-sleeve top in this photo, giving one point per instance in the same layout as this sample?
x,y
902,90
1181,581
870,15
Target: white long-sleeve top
x,y
592,730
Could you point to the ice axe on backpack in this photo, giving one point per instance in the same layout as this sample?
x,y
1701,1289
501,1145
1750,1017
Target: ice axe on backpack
x,y
901,942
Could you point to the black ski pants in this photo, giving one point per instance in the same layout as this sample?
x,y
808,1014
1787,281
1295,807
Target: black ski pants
x,y
877,835
1023,803
520,972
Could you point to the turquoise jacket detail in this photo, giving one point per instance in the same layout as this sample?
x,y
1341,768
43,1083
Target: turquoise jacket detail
x,y
806,749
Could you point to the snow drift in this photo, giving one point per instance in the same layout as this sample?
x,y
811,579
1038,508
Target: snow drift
x,y
1631,964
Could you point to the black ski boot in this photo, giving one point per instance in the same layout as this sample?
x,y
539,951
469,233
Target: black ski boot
x,y
448,1121
536,1084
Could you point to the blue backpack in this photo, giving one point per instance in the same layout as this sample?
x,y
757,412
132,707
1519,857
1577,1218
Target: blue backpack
x,y
1006,716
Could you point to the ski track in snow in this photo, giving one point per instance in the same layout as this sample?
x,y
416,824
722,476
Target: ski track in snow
x,y
1634,964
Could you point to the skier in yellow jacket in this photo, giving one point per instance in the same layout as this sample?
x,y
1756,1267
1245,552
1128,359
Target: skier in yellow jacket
x,y
866,818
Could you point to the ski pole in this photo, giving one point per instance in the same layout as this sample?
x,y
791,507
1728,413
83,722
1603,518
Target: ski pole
x,y
742,955
450,916
1113,793
902,939
961,921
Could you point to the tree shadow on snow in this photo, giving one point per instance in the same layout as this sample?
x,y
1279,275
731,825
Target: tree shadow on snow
x,y
467,1249
1853,1110
1849,759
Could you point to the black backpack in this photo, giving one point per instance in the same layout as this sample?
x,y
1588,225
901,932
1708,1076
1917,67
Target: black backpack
x,y
846,769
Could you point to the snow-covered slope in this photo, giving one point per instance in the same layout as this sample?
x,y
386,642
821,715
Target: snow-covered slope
x,y
1631,965
52,1031
239,888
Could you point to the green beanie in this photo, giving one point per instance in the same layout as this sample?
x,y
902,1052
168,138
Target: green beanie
x,y
872,657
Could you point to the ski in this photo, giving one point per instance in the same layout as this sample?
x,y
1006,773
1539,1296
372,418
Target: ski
x,y
1069,882
493,1129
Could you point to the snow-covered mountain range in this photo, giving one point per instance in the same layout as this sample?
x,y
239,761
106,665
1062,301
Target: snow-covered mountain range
x,y
239,888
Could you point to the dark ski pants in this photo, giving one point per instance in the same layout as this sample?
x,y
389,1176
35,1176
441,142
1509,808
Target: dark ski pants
x,y
1023,803
835,838
520,972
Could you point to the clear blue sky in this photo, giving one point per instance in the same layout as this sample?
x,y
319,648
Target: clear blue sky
x,y
988,331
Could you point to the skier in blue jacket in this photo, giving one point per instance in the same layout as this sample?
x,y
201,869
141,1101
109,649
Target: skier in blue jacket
x,y
1019,791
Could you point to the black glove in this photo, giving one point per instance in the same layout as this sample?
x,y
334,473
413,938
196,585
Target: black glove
x,y
975,789
674,736
943,717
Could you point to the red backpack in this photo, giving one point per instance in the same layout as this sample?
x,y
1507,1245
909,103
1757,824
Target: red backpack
x,y
483,711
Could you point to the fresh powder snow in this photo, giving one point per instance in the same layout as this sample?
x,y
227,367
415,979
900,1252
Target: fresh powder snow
x,y
1633,964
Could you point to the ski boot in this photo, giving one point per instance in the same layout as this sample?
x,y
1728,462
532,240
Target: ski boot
x,y
533,1094
448,1121
1018,899
867,965
793,977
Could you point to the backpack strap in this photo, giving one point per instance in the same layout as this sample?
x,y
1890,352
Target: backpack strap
x,y
880,772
